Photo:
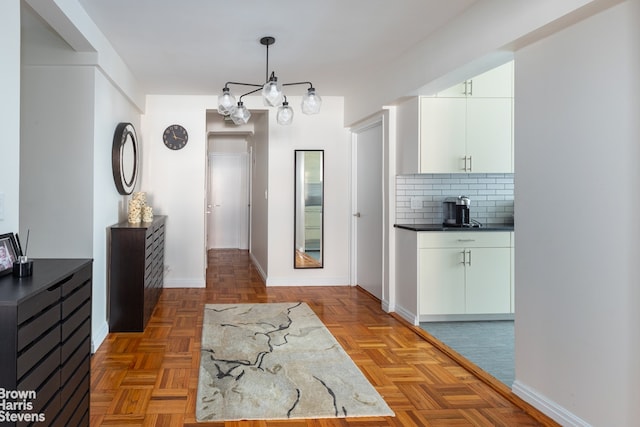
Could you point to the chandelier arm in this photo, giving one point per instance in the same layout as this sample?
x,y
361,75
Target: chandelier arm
x,y
249,93
298,83
241,84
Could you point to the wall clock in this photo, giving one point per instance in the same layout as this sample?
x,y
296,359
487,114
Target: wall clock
x,y
175,137
124,158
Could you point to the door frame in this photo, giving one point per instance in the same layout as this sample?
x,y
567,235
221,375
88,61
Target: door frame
x,y
246,157
382,119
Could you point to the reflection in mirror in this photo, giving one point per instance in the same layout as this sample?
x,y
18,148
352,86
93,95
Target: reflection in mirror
x,y
309,195
128,161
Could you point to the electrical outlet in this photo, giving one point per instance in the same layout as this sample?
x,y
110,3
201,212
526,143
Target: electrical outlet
x,y
416,203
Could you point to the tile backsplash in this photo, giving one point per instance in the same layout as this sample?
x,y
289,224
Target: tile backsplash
x,y
491,197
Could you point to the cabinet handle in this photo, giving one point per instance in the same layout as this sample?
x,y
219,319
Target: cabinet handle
x,y
469,262
467,168
465,88
471,88
470,164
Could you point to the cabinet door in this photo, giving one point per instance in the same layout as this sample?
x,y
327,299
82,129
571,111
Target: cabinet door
x,y
442,135
488,280
441,281
495,83
457,91
489,139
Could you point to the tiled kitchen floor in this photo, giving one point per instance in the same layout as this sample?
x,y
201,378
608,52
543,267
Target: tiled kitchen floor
x,y
489,345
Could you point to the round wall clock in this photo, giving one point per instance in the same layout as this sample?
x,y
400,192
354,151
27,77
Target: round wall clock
x,y
175,137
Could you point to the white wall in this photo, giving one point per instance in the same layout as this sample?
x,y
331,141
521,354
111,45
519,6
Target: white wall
x,y
68,199
318,132
577,186
477,40
175,181
10,113
109,207
56,161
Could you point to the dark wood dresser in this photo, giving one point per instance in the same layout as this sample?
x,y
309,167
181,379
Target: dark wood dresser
x,y
135,274
45,351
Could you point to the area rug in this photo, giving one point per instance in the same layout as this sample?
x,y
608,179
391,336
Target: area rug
x,y
277,361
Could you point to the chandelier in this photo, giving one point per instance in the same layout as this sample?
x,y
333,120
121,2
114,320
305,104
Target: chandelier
x,y
272,95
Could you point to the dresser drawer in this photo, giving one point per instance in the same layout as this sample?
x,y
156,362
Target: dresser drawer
x,y
464,239
36,326
38,303
76,280
38,350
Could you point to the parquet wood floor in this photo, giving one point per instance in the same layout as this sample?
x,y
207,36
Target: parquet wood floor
x,y
150,378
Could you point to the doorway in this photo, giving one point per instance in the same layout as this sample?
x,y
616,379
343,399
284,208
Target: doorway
x,y
228,201
368,196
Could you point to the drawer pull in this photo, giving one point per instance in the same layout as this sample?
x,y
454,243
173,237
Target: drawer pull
x,y
466,240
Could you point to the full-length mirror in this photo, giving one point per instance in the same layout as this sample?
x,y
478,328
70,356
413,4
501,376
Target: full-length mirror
x,y
309,198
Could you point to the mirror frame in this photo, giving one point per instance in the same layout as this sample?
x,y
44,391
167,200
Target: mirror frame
x,y
300,259
125,182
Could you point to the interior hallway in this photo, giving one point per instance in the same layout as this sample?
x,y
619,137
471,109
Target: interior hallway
x,y
150,378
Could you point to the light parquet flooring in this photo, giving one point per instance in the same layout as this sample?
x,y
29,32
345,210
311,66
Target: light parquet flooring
x,y
150,378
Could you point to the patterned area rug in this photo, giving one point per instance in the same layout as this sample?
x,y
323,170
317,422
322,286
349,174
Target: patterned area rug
x,y
277,361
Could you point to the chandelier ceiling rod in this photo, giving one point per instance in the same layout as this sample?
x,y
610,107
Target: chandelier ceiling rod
x,y
271,94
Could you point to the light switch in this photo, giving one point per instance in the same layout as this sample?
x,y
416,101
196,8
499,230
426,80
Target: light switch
x,y
416,203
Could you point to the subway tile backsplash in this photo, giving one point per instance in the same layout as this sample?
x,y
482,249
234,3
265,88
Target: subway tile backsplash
x,y
491,197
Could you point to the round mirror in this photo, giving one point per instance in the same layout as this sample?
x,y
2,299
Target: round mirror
x,y
124,158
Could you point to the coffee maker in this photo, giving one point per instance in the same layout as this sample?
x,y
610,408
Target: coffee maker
x,y
456,211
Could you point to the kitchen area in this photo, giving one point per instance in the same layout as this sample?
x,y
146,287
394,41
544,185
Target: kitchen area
x,y
455,218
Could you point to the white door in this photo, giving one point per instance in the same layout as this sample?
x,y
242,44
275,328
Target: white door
x,y
228,218
368,208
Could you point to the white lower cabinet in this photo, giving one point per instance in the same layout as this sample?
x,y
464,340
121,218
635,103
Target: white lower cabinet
x,y
465,272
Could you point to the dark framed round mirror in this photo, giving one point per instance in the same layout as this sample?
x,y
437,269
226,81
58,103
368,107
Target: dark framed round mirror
x,y
124,158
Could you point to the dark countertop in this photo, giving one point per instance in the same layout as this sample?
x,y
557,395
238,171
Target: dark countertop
x,y
440,227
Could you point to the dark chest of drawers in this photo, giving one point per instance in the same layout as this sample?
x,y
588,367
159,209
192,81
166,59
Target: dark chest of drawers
x,y
45,330
136,273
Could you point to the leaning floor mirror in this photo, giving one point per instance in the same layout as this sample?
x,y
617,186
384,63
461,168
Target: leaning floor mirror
x,y
309,204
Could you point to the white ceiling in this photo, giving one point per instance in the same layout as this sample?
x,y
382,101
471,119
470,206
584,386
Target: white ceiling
x,y
195,46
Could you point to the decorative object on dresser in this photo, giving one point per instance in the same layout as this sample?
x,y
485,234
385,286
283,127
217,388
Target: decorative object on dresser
x,y
45,325
135,273
124,158
138,209
8,253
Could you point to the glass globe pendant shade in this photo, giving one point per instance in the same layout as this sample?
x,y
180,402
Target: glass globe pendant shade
x,y
226,102
311,102
272,92
240,115
285,114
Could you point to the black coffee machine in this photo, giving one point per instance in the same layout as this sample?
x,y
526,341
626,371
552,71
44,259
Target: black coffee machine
x,y
456,211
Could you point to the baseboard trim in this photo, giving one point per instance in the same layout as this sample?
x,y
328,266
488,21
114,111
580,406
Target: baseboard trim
x,y
184,283
547,406
258,267
464,317
307,281
99,336
406,315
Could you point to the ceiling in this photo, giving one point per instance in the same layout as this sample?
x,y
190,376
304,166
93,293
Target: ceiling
x,y
196,46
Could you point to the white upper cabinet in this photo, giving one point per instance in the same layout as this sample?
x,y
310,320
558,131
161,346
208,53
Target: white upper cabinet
x,y
467,128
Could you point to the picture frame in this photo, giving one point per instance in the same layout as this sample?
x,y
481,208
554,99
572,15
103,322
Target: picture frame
x,y
8,253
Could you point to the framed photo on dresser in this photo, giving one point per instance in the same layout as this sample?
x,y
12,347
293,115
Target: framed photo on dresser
x,y
8,253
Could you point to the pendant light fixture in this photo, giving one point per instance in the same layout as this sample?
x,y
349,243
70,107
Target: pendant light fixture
x,y
272,95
